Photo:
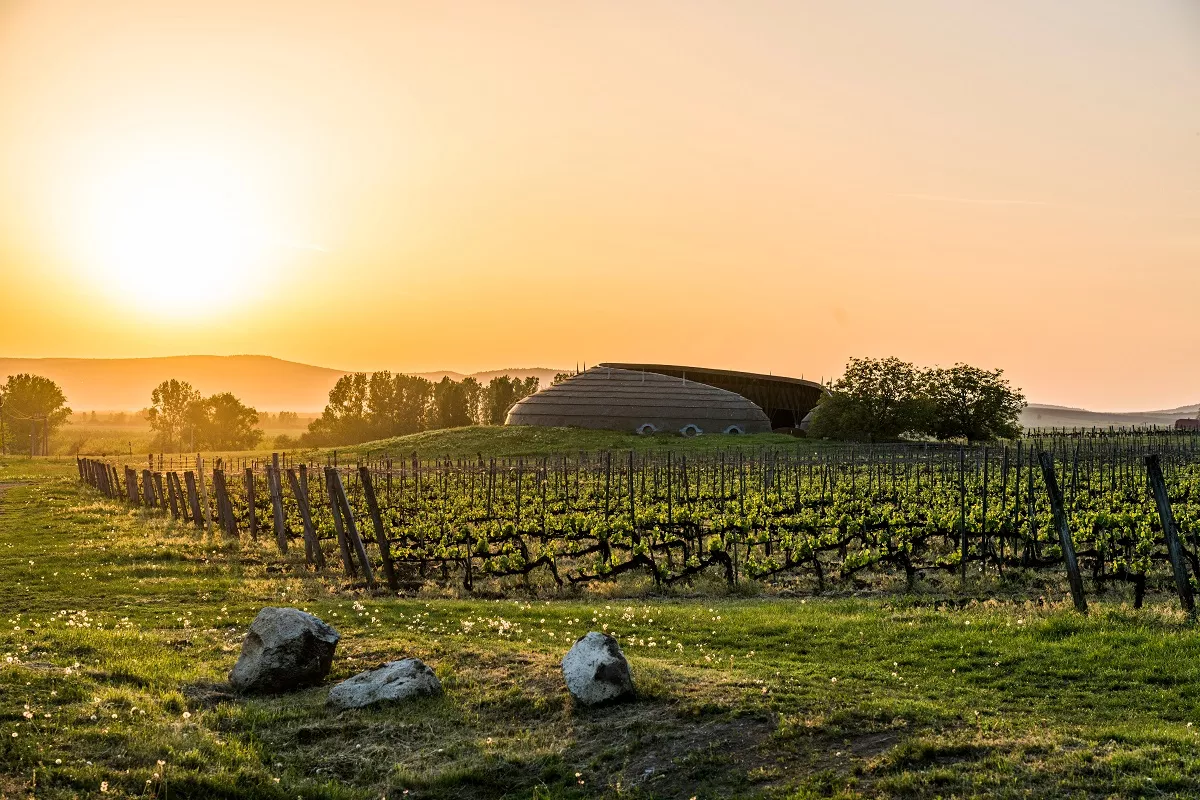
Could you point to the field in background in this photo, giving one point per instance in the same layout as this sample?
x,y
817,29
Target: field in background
x,y
122,627
114,441
133,438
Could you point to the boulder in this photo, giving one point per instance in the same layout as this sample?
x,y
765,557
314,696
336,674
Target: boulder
x,y
396,680
284,649
596,670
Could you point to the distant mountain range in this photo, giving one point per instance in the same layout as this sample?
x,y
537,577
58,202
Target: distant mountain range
x,y
266,383
1040,416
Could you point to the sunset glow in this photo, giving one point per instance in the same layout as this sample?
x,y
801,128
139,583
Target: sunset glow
x,y
772,187
174,235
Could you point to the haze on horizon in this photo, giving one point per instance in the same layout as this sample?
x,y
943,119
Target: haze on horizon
x,y
766,186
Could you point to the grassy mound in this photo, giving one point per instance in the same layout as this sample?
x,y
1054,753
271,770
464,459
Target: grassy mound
x,y
520,441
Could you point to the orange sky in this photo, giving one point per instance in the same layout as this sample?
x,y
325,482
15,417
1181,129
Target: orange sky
x,y
769,186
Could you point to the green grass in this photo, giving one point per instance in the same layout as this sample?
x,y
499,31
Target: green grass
x,y
121,628
497,441
522,441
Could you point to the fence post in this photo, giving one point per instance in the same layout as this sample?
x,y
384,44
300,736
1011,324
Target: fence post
x,y
131,486
224,507
189,477
338,526
148,489
251,517
351,529
962,511
1158,486
385,549
276,488
1064,531
205,511
312,545
159,492
172,496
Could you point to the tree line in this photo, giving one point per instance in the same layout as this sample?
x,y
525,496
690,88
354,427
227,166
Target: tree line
x,y
361,407
367,406
886,399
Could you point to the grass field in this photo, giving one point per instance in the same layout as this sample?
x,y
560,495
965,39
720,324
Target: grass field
x,y
120,628
123,440
518,441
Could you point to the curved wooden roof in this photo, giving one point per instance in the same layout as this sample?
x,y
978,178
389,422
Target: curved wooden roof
x,y
619,399
784,400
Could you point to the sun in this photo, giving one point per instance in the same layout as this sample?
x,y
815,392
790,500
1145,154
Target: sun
x,y
176,234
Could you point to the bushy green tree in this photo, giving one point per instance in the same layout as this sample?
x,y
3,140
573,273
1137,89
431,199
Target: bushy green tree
x,y
366,406
973,404
396,405
451,406
876,399
171,411
225,423
884,399
504,392
32,408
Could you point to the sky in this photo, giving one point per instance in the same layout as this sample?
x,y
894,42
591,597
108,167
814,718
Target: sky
x,y
764,186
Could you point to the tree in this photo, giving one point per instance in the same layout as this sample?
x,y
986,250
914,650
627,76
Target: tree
x,y
973,404
504,392
32,408
287,419
451,406
365,406
345,416
225,423
874,400
397,404
171,411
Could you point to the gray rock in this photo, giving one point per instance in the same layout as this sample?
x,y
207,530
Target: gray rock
x,y
596,670
285,649
396,680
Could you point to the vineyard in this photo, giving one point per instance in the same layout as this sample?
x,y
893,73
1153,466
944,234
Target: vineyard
x,y
801,518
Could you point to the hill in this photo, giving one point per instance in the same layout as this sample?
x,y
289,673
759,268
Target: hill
x,y
264,382
496,441
1042,416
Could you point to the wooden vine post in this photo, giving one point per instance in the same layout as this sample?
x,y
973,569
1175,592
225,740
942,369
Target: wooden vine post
x,y
224,507
193,497
355,541
312,546
204,509
148,489
251,517
159,494
1158,487
962,511
172,496
131,486
385,549
1064,531
277,503
338,525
